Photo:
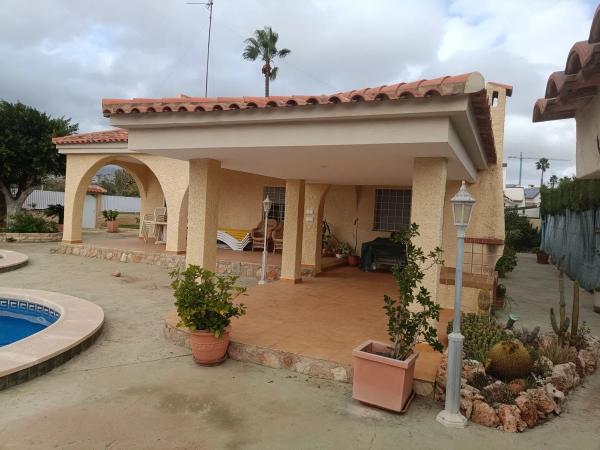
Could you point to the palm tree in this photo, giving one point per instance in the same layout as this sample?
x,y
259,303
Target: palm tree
x,y
543,164
264,45
553,181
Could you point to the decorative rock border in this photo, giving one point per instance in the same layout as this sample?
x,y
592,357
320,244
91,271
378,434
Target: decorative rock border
x,y
10,260
528,407
31,237
237,268
78,326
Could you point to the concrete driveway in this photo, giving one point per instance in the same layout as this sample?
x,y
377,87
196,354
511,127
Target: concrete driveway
x,y
135,390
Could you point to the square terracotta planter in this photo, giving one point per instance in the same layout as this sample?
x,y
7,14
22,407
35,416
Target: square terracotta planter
x,y
382,381
112,226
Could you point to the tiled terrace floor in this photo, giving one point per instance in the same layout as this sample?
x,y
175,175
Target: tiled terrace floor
x,y
323,317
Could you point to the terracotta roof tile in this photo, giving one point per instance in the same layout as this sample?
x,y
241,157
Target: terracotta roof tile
x,y
95,189
569,89
97,137
467,84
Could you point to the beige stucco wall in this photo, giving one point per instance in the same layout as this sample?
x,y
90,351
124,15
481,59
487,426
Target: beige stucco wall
x,y
588,130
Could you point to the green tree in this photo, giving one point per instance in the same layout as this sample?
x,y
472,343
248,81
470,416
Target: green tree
x,y
263,45
553,181
543,164
120,182
27,153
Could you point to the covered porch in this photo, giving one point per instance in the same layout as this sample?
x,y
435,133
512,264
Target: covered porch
x,y
312,328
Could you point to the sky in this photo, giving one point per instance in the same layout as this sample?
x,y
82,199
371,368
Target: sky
x,y
64,56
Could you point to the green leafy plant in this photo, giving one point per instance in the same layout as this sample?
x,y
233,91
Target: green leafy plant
x,y
25,222
110,215
570,194
481,333
507,262
204,301
343,249
520,234
410,314
57,211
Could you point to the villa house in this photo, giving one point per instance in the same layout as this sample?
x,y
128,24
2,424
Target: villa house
x,y
368,161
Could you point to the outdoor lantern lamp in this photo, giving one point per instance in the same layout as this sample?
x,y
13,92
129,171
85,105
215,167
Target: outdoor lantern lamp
x,y
462,206
266,208
14,188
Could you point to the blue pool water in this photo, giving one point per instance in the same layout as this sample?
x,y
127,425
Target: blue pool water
x,y
19,319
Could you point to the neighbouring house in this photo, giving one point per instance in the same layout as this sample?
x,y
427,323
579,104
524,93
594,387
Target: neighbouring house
x,y
573,93
368,161
514,197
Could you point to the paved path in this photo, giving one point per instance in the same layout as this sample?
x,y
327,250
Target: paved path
x,y
135,390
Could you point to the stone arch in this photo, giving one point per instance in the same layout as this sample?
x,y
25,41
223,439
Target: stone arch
x,y
151,173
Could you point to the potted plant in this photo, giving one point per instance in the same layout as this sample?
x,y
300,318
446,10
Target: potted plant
x,y
383,372
541,256
597,300
110,216
342,250
507,262
204,303
57,211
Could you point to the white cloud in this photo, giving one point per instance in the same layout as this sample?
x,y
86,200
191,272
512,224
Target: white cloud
x,y
64,56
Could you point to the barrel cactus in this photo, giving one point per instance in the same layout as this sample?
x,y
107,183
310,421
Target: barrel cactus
x,y
509,360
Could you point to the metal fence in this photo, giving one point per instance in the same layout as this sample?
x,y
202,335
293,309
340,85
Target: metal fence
x,y
39,199
576,237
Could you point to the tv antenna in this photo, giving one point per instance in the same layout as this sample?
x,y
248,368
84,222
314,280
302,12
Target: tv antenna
x,y
521,158
209,6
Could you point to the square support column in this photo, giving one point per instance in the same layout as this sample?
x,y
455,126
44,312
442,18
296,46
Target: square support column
x,y
291,259
427,211
203,213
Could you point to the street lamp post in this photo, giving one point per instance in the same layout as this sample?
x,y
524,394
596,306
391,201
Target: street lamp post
x,y
266,208
462,205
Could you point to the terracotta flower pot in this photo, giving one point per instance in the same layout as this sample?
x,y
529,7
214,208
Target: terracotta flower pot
x,y
542,257
207,349
379,380
597,301
59,227
353,260
112,226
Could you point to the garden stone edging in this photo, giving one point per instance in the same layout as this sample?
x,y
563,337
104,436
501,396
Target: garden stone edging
x,y
531,406
31,237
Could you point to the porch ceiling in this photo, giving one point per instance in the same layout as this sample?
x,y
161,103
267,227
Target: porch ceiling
x,y
368,145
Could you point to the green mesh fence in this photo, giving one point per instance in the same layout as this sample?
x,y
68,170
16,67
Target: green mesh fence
x,y
576,237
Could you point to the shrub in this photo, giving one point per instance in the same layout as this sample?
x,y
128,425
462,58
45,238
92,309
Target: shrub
x,y
204,300
557,353
110,215
25,222
499,393
570,194
481,333
520,235
480,380
57,211
507,262
410,315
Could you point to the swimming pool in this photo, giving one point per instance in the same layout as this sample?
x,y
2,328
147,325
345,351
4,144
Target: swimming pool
x,y
19,319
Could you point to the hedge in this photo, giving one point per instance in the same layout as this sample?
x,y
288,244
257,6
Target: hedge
x,y
570,194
